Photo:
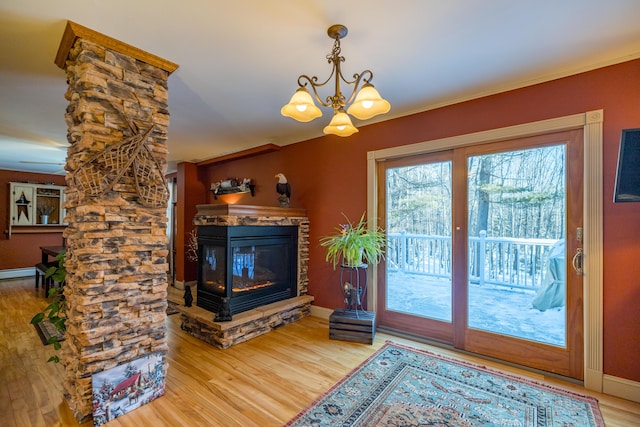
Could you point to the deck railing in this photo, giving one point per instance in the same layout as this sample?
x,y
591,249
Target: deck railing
x,y
511,262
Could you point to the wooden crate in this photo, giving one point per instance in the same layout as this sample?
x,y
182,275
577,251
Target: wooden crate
x,y
352,325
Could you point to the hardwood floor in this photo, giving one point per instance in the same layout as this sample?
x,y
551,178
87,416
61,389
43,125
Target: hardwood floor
x,y
263,382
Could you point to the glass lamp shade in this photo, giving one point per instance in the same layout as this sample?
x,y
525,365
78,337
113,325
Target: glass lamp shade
x,y
301,107
340,125
368,103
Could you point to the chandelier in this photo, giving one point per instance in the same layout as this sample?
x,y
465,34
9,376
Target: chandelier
x,y
367,103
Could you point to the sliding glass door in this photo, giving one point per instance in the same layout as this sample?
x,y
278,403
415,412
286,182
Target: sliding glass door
x,y
479,240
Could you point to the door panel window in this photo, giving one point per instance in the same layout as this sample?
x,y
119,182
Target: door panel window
x,y
419,240
516,211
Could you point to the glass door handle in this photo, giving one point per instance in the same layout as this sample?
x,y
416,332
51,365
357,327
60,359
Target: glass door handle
x,y
577,262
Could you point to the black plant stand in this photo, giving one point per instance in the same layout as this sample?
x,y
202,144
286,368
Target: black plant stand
x,y
353,323
354,285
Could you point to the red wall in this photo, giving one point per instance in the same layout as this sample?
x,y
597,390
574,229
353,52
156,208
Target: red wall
x,y
191,192
23,250
328,176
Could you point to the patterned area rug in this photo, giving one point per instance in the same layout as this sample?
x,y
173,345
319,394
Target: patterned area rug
x,y
402,386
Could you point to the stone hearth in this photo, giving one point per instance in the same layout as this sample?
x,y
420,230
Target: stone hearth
x,y
199,323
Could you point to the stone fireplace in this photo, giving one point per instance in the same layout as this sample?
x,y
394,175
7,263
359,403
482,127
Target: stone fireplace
x,y
244,267
254,259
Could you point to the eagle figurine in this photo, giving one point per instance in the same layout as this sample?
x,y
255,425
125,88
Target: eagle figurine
x,y
284,190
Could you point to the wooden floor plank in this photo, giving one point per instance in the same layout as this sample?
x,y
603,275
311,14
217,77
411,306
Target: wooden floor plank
x,y
260,383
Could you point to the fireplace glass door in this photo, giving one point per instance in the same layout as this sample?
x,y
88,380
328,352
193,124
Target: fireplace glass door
x,y
214,258
257,267
246,266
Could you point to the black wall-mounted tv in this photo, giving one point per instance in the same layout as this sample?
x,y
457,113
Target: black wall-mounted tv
x,y
628,174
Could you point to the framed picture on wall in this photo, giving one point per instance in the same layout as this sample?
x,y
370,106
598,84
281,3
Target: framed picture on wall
x,y
627,187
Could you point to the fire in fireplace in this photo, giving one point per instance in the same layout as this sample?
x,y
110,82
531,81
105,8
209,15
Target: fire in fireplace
x,y
244,267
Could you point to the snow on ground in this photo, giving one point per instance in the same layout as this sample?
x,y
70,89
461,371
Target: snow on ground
x,y
492,308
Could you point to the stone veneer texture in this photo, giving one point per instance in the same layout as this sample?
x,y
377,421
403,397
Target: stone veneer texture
x,y
116,288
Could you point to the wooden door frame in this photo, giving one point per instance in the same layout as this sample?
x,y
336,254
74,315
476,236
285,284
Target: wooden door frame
x,y
591,123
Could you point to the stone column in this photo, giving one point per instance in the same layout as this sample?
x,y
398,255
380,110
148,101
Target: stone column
x,y
116,204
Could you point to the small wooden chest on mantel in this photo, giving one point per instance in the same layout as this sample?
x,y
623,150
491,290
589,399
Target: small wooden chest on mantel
x,y
352,325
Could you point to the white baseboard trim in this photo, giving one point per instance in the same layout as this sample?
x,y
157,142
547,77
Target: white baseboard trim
x,y
593,380
17,272
621,387
321,312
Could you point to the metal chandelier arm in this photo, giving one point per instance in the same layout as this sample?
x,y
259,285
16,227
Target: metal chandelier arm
x,y
314,85
359,78
336,100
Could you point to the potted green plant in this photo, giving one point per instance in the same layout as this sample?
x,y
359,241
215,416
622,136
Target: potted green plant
x,y
55,311
354,244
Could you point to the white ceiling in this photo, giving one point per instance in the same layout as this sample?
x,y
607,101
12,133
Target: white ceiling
x,y
239,60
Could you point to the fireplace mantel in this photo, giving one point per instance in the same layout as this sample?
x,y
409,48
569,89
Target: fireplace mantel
x,y
208,211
